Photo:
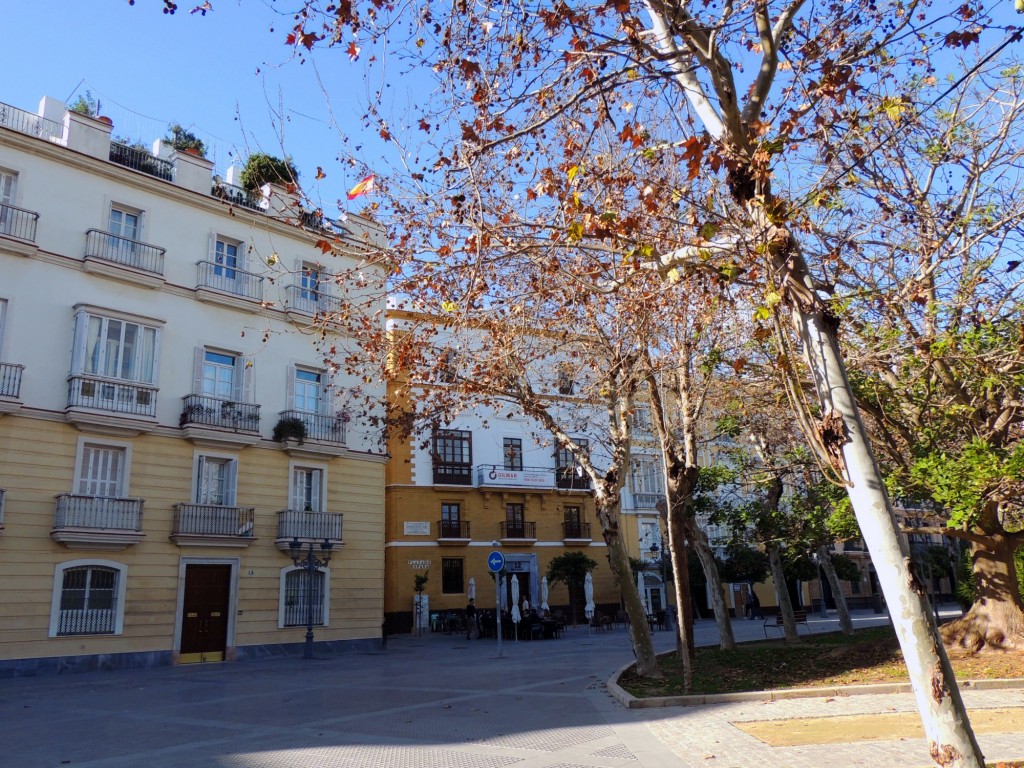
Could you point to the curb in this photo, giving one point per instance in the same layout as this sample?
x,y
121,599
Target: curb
x,y
629,701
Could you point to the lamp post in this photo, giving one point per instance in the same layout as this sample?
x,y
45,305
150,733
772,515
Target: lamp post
x,y
310,563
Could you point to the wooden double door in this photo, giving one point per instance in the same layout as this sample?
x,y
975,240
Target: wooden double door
x,y
205,613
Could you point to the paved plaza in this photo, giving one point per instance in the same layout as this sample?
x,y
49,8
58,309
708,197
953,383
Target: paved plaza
x,y
438,701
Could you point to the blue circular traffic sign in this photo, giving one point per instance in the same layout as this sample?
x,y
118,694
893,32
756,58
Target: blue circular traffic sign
x,y
495,561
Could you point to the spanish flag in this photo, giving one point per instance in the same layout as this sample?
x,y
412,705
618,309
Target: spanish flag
x,y
364,186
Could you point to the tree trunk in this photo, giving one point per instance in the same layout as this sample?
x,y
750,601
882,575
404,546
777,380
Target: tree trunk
x,y
996,619
639,629
702,547
842,434
681,584
607,505
785,604
681,587
825,561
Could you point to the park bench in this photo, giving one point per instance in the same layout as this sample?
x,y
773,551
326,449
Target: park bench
x,y
775,622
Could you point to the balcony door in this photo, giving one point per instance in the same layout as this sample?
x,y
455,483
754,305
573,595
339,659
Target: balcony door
x,y
218,375
515,523
451,521
101,471
216,482
205,612
8,181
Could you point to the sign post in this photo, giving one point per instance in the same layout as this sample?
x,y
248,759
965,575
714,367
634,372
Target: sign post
x,y
496,565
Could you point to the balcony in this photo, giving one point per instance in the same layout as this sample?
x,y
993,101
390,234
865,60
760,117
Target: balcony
x,y
647,500
10,387
141,159
453,474
233,287
111,406
19,224
320,434
307,527
216,423
29,123
576,533
309,301
518,533
571,479
209,525
97,522
453,532
124,259
233,195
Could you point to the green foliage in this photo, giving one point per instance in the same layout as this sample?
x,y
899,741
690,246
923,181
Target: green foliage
x,y
262,168
86,105
420,582
290,428
570,569
182,139
798,566
744,564
846,568
962,481
965,580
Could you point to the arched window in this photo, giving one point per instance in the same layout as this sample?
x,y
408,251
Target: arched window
x,y
88,598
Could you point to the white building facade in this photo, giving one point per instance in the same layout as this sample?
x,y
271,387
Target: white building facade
x,y
168,424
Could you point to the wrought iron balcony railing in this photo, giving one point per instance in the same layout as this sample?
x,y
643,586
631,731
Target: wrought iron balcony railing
x,y
18,222
294,523
230,280
213,520
10,379
98,512
26,122
329,429
123,251
112,395
518,530
206,411
139,159
571,479
575,530
312,301
229,193
647,500
453,474
453,529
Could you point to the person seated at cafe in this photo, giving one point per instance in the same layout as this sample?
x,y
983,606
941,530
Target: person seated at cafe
x,y
532,624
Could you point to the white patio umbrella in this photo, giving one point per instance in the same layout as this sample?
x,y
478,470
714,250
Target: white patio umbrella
x,y
544,594
472,588
526,605
516,616
588,594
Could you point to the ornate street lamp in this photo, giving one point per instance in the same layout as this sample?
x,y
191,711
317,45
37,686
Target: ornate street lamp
x,y
311,564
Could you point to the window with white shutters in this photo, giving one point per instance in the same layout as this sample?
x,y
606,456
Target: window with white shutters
x,y
101,471
307,485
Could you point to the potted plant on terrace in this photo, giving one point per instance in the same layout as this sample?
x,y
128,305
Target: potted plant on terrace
x,y
262,168
183,140
290,428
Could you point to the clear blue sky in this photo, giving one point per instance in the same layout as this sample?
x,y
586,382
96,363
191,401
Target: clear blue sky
x,y
224,75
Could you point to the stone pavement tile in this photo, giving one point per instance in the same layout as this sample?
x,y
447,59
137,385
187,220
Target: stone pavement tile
x,y
697,735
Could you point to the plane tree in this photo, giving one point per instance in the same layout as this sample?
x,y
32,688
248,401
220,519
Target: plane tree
x,y
928,242
749,85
